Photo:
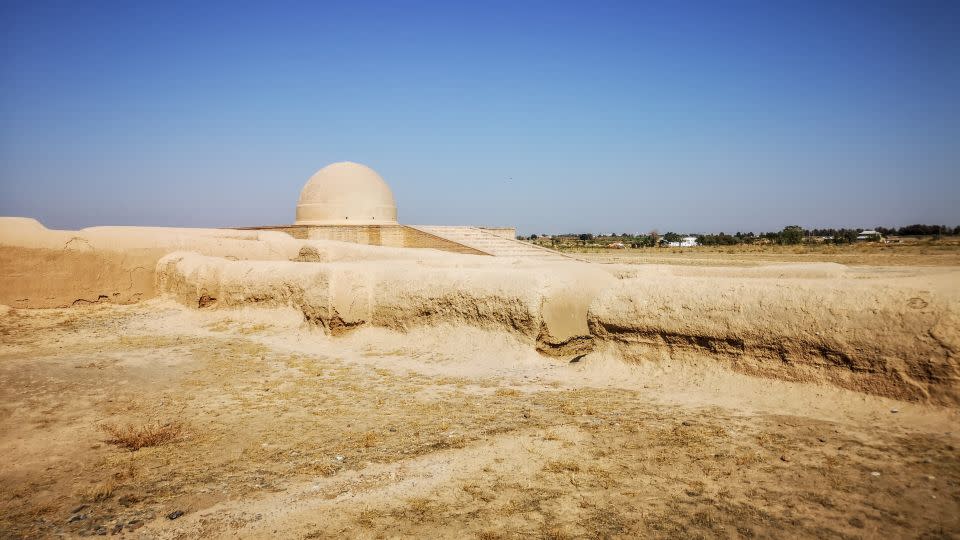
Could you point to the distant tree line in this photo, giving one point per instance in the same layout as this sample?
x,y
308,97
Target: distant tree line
x,y
789,235
723,239
920,230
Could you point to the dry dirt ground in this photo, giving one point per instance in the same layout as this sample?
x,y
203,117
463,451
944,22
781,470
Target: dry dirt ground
x,y
264,427
910,252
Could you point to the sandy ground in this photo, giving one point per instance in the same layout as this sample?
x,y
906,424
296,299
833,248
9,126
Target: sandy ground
x,y
443,431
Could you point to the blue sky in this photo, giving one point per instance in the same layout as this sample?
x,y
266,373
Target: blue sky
x,y
551,116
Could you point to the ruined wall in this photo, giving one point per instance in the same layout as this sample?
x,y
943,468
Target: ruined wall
x,y
546,303
891,337
898,338
42,268
35,278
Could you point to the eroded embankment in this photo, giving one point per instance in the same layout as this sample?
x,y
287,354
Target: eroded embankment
x,y
46,268
898,341
547,304
895,338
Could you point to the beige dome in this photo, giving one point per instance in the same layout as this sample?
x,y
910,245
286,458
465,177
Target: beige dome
x,y
346,193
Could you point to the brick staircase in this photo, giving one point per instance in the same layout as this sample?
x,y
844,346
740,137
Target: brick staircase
x,y
492,244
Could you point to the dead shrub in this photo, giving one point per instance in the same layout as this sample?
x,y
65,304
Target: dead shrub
x,y
133,437
370,439
562,466
368,517
569,409
326,469
420,510
479,492
101,491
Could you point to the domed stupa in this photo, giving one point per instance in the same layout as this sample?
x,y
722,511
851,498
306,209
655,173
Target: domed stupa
x,y
350,202
346,193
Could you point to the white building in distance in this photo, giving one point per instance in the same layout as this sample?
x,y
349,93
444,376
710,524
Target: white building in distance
x,y
686,241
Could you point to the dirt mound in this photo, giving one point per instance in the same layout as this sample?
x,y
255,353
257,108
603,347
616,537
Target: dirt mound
x,y
546,304
40,267
43,268
894,337
897,339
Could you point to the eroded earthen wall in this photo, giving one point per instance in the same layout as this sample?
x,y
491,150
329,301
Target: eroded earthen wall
x,y
895,338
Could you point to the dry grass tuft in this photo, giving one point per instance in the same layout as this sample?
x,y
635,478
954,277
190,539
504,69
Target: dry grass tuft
x,y
420,510
479,492
370,439
569,409
750,458
101,491
553,533
368,517
562,466
506,392
326,469
134,437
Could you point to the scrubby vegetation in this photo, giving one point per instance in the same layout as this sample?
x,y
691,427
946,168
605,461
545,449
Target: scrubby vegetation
x,y
789,235
133,437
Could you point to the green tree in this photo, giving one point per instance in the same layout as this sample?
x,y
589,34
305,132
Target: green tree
x,y
672,237
791,235
846,236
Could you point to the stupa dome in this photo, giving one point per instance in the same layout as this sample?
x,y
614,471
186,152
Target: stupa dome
x,y
346,193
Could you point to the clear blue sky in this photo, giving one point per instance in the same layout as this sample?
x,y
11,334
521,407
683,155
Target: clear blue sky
x,y
551,116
